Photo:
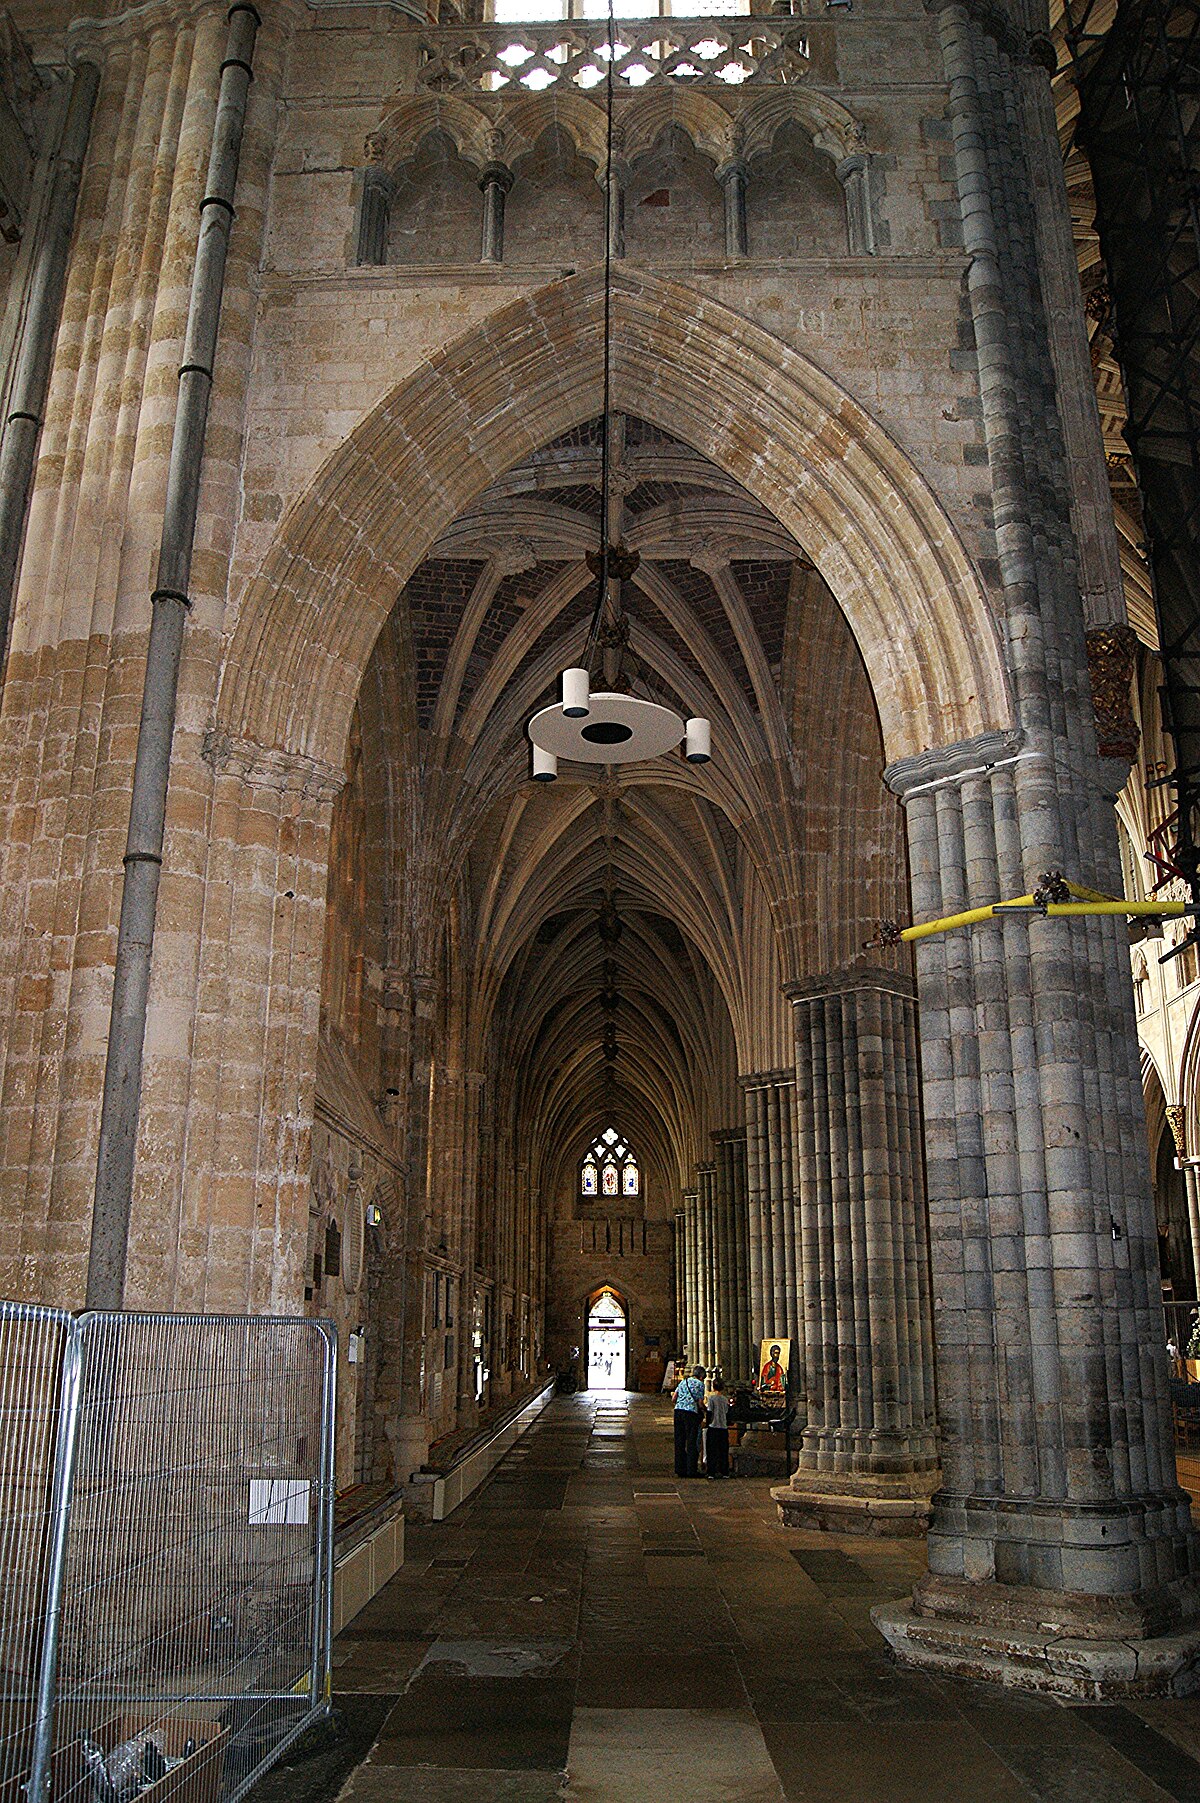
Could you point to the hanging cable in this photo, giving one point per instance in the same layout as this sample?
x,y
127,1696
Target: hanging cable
x,y
606,419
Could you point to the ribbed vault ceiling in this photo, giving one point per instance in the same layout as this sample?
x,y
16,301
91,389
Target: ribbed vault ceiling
x,y
623,934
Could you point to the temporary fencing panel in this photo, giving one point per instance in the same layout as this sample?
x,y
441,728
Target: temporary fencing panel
x,y
166,1523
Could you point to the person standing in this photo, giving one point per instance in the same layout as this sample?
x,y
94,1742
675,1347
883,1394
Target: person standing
x,y
689,1405
717,1434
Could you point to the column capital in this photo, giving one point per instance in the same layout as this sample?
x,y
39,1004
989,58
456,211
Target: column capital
x,y
723,1135
854,164
768,1079
857,978
953,763
267,767
498,174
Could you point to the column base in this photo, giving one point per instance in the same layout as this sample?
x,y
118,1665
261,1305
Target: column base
x,y
1058,1665
408,1441
892,1504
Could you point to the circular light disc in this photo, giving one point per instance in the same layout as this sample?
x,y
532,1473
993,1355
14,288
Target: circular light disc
x,y
618,729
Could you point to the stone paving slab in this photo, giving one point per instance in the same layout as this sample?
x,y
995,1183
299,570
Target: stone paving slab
x,y
743,1669
647,1755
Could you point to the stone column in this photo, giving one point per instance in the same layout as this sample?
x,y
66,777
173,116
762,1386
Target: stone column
x,y
722,1262
854,173
374,215
410,1004
691,1215
615,204
680,1281
1061,1554
775,1306
869,1453
469,1192
495,183
731,1250
706,1175
759,1248
743,1356
732,177
1191,1181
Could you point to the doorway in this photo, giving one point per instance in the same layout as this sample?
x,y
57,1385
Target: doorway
x,y
606,1342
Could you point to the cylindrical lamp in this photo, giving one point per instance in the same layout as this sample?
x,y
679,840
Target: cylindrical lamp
x,y
545,765
698,743
576,693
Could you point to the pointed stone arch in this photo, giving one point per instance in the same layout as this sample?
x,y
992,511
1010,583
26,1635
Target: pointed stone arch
x,y
526,120
769,417
410,122
833,128
712,130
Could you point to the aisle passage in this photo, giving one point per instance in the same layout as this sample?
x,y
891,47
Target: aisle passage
x,y
589,1615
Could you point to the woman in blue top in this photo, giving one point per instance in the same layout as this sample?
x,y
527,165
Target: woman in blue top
x,y
689,1404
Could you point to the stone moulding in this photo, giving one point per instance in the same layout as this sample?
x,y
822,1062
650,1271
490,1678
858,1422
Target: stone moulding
x,y
260,766
783,429
950,763
1056,1664
868,1503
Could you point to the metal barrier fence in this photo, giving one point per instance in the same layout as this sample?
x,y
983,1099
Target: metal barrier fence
x,y
166,1551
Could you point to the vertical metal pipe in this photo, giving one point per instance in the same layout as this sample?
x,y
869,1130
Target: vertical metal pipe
x,y
170,604
60,1520
23,426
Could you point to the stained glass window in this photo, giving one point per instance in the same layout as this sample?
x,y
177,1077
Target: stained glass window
x,y
609,1167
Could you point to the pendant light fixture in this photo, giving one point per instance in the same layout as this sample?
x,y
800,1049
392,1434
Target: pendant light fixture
x,y
609,726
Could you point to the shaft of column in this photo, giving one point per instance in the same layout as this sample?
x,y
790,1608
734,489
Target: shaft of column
x,y
792,1321
374,216
1191,1178
868,1457
495,183
31,378
758,1245
121,1106
680,1263
854,173
705,1177
732,177
691,1205
742,1361
615,205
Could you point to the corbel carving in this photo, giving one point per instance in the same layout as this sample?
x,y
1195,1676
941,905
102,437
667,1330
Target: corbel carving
x,y
1111,653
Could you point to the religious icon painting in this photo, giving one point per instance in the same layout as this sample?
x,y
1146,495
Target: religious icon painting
x,y
774,1356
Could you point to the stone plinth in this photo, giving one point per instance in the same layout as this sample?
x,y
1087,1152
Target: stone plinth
x,y
868,1504
1086,1648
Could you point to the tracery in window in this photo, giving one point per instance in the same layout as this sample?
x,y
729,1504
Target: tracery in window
x,y
609,1168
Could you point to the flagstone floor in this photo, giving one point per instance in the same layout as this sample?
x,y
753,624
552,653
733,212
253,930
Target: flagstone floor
x,y
589,1628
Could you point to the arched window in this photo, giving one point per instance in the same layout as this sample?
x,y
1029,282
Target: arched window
x,y
609,1168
